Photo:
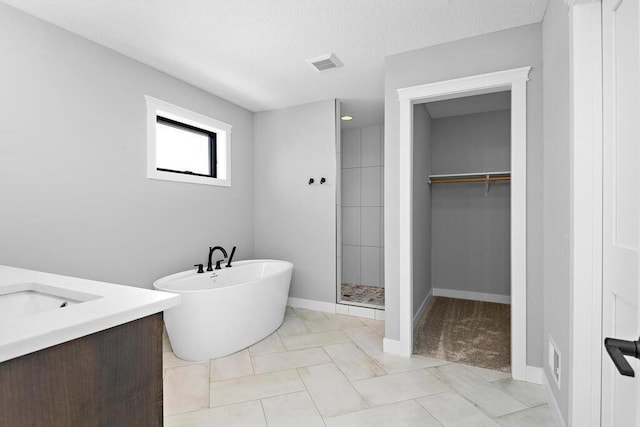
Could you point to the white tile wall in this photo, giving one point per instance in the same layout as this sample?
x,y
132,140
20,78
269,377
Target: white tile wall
x,y
371,146
351,225
351,187
370,186
370,226
350,264
370,260
350,150
362,228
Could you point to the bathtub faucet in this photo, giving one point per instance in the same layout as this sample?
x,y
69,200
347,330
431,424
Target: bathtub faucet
x,y
233,251
211,251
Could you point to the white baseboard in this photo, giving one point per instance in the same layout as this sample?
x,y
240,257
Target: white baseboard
x,y
310,304
534,374
327,307
551,400
367,313
394,347
476,296
420,312
342,309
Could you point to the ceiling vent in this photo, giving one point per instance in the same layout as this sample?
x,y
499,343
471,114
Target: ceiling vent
x,y
325,62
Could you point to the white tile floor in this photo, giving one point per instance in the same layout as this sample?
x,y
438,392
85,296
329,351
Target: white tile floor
x,y
328,370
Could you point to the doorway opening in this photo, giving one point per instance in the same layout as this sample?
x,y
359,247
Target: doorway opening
x,y
461,230
513,81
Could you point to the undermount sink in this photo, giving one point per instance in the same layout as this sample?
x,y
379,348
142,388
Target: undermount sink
x,y
34,316
56,359
24,299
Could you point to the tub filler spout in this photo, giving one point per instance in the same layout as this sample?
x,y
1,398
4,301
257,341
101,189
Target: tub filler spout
x,y
211,251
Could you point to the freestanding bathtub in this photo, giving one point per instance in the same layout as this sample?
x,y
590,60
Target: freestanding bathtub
x,y
225,310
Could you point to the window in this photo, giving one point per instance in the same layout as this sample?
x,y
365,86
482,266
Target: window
x,y
183,148
187,146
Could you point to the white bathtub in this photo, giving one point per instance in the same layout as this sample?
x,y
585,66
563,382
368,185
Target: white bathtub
x,y
226,310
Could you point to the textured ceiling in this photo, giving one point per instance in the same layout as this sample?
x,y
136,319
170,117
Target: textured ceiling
x,y
253,52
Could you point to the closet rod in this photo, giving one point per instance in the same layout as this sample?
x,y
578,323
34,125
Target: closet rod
x,y
478,179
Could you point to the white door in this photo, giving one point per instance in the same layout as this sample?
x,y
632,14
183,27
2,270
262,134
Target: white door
x,y
621,214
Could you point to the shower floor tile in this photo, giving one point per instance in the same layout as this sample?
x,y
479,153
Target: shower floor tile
x,y
370,295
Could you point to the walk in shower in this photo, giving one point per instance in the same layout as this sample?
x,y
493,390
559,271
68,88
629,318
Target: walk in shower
x,y
360,217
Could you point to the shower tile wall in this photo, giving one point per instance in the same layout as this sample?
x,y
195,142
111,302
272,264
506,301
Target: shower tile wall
x,y
362,206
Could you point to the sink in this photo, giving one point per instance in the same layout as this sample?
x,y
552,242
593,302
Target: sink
x,y
24,299
32,319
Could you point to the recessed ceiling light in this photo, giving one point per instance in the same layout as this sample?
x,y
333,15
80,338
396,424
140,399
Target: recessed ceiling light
x,y
346,118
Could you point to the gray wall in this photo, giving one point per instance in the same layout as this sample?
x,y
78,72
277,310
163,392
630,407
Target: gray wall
x,y
497,51
556,178
471,230
362,205
293,220
421,206
73,155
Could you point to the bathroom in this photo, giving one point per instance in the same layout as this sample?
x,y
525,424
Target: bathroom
x,y
297,183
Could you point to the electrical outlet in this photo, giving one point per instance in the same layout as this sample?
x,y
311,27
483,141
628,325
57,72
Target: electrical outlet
x,y
554,361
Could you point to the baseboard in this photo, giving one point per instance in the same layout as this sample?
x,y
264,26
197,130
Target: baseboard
x,y
475,296
394,347
309,304
327,307
534,374
420,312
551,400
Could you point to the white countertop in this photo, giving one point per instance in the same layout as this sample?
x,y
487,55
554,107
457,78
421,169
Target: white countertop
x,y
115,305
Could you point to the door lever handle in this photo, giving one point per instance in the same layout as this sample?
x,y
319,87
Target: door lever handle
x,y
617,349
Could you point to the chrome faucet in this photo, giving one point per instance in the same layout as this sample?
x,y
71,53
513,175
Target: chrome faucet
x,y
211,251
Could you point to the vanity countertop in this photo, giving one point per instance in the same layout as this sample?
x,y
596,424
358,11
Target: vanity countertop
x,y
111,305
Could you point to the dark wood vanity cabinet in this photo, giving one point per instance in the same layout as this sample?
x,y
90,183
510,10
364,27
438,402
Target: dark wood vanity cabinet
x,y
112,378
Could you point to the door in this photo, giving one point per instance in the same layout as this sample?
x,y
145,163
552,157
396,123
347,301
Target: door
x,y
621,214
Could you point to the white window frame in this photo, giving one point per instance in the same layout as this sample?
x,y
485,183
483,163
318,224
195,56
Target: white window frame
x,y
155,108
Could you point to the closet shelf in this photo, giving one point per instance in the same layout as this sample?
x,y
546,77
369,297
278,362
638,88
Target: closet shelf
x,y
451,178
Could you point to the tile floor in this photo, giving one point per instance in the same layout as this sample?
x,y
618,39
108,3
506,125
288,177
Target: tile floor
x,y
328,370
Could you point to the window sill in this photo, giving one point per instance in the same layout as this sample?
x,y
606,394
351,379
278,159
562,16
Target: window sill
x,y
192,179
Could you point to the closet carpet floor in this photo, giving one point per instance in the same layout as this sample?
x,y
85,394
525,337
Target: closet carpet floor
x,y
474,333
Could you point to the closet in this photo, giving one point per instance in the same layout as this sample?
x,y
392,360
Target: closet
x,y
461,223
